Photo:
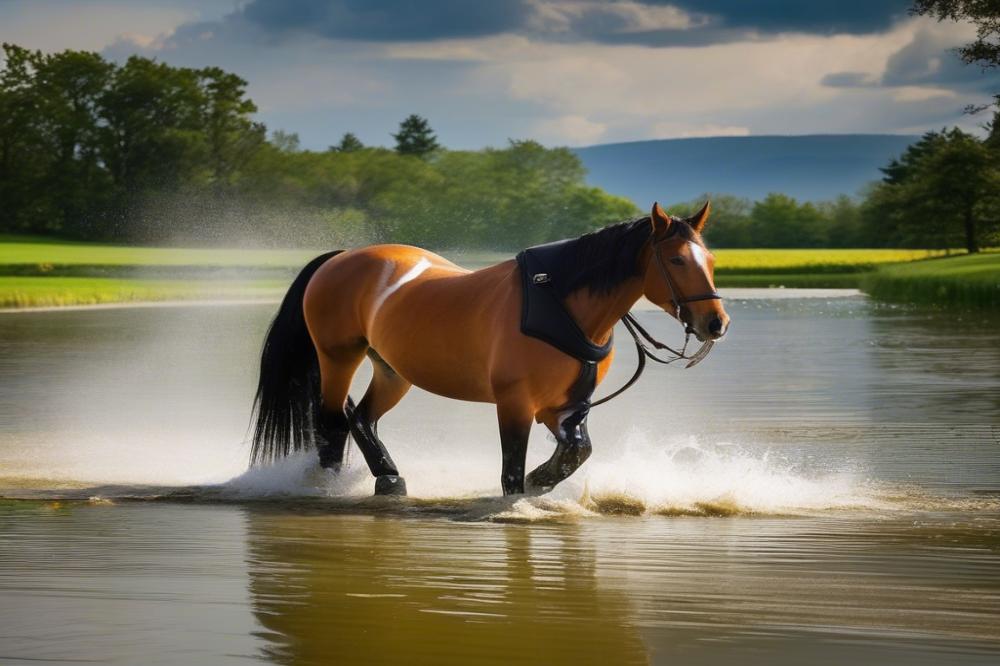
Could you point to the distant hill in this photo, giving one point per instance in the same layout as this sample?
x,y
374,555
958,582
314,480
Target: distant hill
x,y
809,167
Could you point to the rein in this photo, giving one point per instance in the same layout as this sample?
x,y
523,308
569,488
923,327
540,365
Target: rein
x,y
639,333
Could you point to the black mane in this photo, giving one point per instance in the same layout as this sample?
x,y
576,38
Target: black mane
x,y
603,259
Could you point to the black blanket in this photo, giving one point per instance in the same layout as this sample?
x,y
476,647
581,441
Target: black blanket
x,y
543,314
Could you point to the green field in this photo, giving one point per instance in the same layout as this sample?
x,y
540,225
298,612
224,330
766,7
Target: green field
x,y
43,273
968,281
806,261
41,253
23,292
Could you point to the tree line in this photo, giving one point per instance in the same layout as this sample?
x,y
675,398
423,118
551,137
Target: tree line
x,y
146,152
143,152
942,192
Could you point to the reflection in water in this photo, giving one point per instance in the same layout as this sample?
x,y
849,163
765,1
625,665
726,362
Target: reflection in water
x,y
871,431
368,589
372,590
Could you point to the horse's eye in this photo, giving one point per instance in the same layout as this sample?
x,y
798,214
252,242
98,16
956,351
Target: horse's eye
x,y
677,261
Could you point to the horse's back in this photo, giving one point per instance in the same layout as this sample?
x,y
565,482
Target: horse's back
x,y
347,290
419,311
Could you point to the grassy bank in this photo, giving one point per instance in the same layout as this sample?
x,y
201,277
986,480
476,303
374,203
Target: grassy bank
x,y
39,253
23,292
44,256
965,281
39,272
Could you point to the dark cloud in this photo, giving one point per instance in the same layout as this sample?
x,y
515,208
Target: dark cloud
x,y
718,21
927,60
388,20
824,17
724,21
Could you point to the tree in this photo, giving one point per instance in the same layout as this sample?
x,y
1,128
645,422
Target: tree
x,y
944,190
231,135
993,140
286,142
780,221
146,152
729,225
845,226
415,137
349,143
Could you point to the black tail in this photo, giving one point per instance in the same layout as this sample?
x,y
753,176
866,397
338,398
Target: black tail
x,y
288,389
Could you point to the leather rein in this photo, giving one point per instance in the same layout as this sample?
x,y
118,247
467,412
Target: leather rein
x,y
639,333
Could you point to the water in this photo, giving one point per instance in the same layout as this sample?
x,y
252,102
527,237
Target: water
x,y
824,488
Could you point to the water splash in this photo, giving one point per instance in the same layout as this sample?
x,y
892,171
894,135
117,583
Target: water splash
x,y
638,475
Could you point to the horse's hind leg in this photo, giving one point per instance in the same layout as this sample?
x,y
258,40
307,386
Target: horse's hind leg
x,y
337,367
385,391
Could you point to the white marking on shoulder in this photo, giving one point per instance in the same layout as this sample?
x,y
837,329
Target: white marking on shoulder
x,y
408,276
698,253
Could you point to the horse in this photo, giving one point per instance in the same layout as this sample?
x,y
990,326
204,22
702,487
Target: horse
x,y
423,320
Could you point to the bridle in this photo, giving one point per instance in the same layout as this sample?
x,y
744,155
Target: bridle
x,y
677,297
638,333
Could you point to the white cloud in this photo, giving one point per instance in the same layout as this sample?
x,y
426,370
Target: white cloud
x,y
570,130
672,130
769,86
921,93
54,25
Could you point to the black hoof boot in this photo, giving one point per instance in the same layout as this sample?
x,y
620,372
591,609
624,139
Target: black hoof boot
x,y
390,484
538,483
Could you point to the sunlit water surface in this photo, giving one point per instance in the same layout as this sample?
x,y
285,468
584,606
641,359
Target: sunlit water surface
x,y
825,488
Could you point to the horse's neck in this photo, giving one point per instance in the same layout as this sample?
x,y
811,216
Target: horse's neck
x,y
597,314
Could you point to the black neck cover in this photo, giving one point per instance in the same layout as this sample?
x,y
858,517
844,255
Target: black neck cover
x,y
543,314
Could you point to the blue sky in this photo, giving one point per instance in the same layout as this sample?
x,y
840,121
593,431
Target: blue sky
x,y
565,72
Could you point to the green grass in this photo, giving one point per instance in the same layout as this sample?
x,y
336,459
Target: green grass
x,y
806,268
22,292
45,272
964,281
38,251
43,253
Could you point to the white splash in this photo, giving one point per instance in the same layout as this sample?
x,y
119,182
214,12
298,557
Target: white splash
x,y
636,475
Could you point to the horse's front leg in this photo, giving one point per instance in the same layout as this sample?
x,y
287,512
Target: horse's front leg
x,y
515,426
572,450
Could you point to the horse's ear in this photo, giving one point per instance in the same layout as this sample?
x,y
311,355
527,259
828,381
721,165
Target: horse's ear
x,y
660,220
698,220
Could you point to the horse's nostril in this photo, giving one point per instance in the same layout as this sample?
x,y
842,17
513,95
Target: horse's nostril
x,y
715,326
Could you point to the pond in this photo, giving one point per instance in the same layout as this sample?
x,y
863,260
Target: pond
x,y
825,487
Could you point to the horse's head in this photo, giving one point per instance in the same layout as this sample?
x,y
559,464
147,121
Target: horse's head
x,y
679,273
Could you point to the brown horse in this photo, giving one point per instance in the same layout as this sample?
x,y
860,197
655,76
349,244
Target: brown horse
x,y
423,320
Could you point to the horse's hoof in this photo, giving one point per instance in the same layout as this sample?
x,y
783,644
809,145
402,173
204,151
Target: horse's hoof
x,y
534,488
390,484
